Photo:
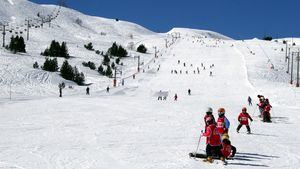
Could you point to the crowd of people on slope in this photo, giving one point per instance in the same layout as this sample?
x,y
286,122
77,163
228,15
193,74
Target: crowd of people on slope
x,y
218,143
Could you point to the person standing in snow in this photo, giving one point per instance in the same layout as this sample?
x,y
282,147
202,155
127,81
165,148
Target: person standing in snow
x,y
213,141
261,105
87,91
175,97
249,101
266,111
189,92
243,119
107,89
223,123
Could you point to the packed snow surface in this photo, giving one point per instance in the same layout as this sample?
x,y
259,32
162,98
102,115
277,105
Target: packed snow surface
x,y
128,127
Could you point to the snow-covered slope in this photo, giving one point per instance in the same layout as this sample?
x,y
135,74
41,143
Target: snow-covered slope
x,y
128,127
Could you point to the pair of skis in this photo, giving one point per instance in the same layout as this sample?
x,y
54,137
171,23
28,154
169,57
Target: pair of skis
x,y
204,156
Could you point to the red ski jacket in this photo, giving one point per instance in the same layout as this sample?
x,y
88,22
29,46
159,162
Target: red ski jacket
x,y
221,125
226,150
213,137
243,118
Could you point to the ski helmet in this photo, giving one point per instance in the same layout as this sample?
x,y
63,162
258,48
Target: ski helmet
x,y
209,110
244,109
221,111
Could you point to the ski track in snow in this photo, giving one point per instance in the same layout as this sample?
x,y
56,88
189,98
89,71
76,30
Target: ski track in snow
x,y
128,127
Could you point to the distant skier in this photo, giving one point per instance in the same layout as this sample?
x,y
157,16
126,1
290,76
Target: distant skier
x,y
87,91
249,101
61,86
107,89
210,73
189,92
223,123
175,97
243,119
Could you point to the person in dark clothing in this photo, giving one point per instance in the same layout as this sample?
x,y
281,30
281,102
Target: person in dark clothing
x,y
107,89
189,91
249,101
87,91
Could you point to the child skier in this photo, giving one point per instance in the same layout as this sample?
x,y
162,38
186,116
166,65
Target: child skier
x,y
223,123
243,119
213,141
228,150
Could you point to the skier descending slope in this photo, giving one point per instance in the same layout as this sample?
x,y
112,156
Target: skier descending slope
x,y
243,119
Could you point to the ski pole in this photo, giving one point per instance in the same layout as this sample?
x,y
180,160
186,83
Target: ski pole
x,y
199,142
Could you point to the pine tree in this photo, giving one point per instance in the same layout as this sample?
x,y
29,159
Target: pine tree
x,y
101,70
64,50
89,46
35,65
67,71
108,71
50,65
142,49
113,66
79,78
106,60
118,61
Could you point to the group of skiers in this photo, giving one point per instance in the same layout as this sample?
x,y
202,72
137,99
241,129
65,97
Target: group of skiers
x,y
216,131
264,107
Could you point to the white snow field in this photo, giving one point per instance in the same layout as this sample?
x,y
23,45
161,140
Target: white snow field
x,y
128,127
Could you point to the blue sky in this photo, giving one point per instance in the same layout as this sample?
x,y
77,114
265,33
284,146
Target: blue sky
x,y
239,19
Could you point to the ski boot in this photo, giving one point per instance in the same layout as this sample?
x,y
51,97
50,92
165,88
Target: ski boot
x,y
208,159
223,160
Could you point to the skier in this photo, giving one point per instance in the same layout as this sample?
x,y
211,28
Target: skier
x,y
223,123
107,89
266,111
87,91
249,101
243,119
227,150
213,141
261,105
210,73
189,92
175,97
